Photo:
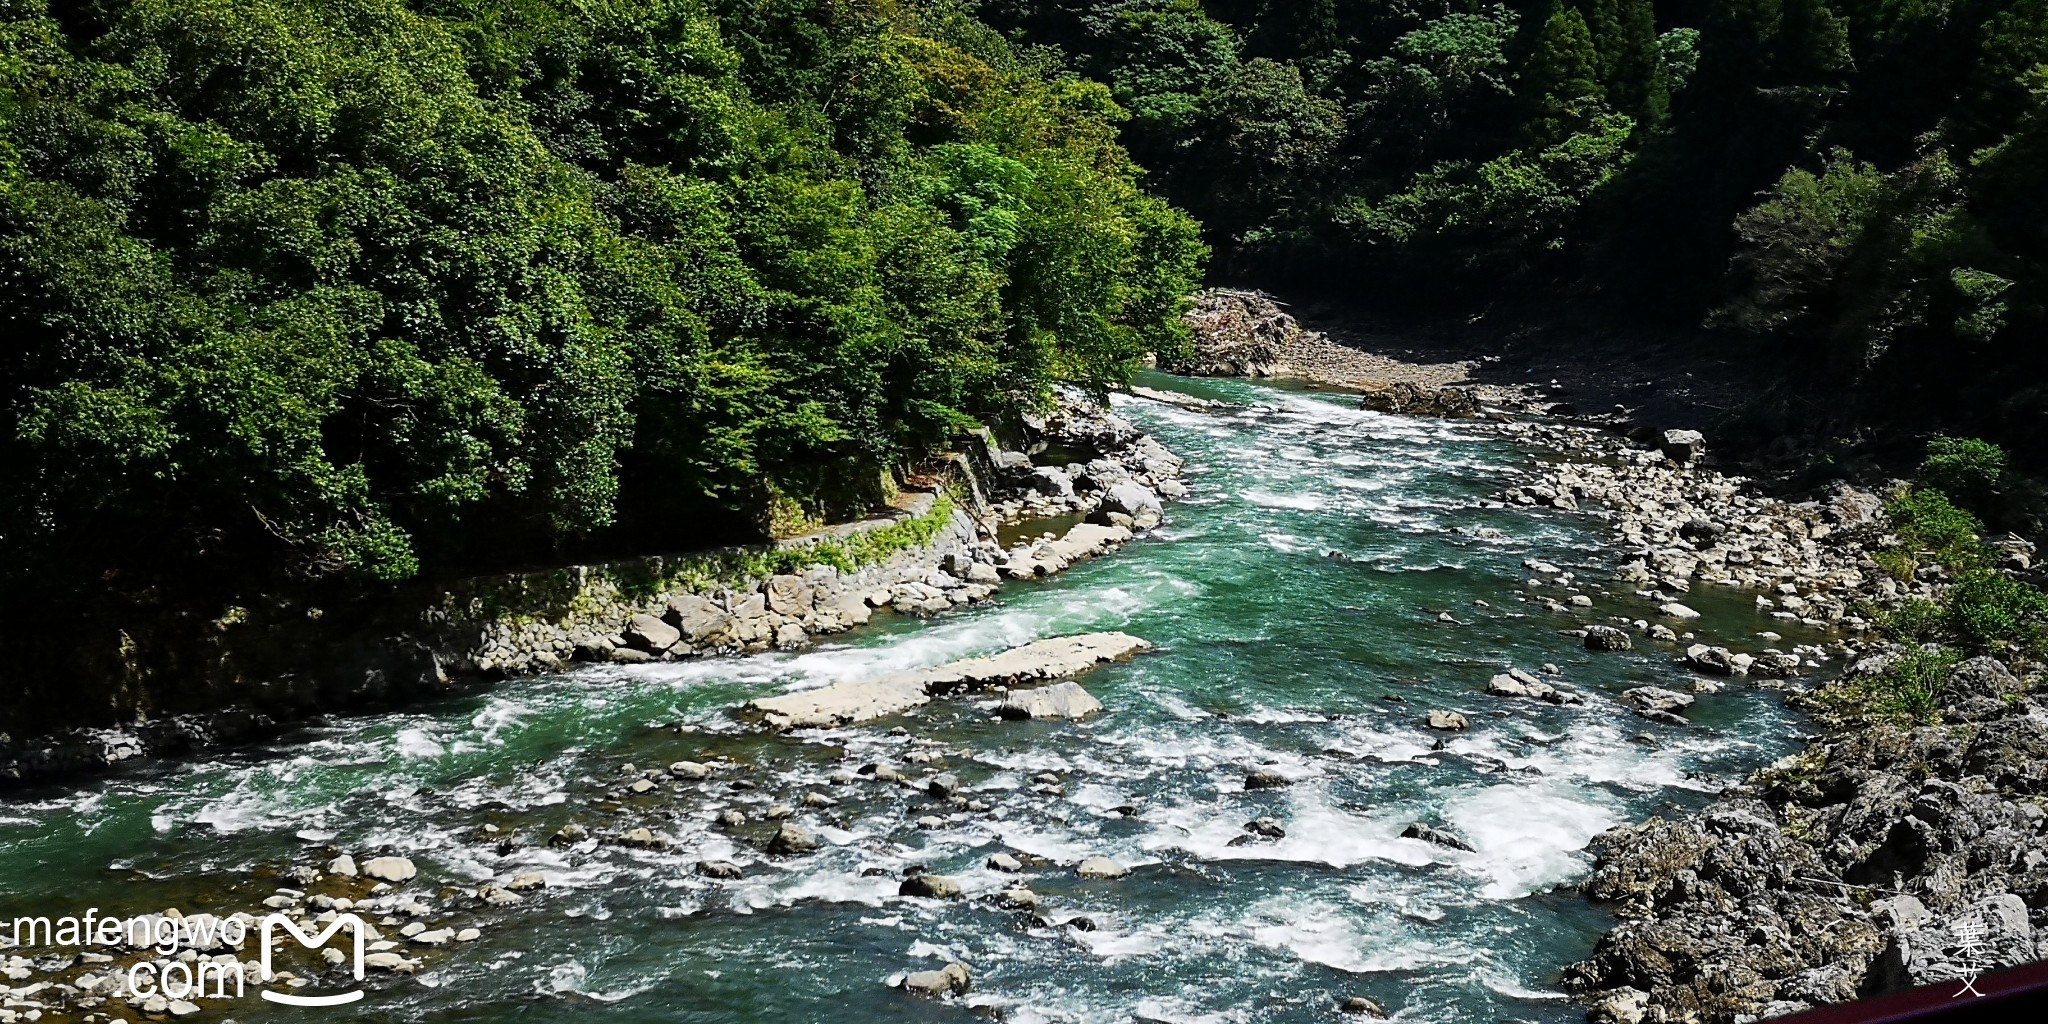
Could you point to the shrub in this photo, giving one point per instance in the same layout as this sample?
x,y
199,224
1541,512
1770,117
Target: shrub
x,y
1910,689
1926,520
1964,468
1989,610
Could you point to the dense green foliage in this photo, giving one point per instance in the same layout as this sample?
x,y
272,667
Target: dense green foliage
x,y
1982,610
364,287
1860,182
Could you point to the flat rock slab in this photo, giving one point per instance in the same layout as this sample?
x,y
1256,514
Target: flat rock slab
x,y
867,700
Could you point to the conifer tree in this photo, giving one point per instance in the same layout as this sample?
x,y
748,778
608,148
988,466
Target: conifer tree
x,y
1639,85
1561,82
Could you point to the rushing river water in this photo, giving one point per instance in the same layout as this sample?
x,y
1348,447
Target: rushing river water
x,y
1275,651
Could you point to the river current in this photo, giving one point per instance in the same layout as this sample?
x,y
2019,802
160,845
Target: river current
x,y
1300,589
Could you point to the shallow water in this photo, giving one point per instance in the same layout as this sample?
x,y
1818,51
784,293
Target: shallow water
x,y
1275,651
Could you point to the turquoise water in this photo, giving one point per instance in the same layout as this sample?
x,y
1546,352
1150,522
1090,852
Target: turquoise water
x,y
1274,651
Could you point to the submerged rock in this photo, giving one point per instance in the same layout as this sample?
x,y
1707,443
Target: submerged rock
x,y
934,887
1432,834
953,979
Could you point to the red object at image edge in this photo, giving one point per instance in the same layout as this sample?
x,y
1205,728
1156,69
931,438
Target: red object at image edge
x,y
2016,994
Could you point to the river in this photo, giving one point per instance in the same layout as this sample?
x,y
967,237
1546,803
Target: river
x,y
1301,586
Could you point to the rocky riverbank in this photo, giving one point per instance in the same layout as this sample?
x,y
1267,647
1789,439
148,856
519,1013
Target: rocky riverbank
x,y
936,551
1888,854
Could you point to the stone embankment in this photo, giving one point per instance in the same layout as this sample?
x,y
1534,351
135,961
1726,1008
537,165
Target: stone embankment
x,y
936,551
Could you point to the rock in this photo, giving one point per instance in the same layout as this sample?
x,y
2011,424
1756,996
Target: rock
x,y
943,785
700,621
1018,898
953,979
343,866
1419,400
1235,334
1449,721
1620,1006
1267,827
1517,683
1683,446
499,896
1100,867
1656,698
1134,500
1987,935
1431,834
569,835
847,703
1050,481
527,881
641,838
1711,660
792,839
931,887
647,633
1361,1006
1265,778
1005,863
724,869
1608,638
182,1008
395,870
1677,611
689,770
640,786
1059,701
789,595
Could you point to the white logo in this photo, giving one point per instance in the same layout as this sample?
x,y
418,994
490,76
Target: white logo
x,y
351,921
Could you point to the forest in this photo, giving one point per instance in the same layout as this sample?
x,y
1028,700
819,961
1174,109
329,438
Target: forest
x,y
1857,184
305,290
364,290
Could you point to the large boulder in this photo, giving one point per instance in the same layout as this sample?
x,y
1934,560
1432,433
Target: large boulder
x,y
1060,700
647,633
1235,334
1683,446
1711,660
789,595
1134,500
1418,400
699,620
1050,481
1658,699
1608,638
792,839
395,870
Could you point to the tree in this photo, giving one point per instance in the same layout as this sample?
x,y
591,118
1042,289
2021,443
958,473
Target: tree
x,y
1560,82
1639,84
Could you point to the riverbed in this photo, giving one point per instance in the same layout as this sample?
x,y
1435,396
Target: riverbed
x,y
1333,577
